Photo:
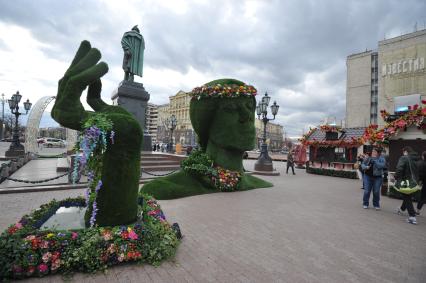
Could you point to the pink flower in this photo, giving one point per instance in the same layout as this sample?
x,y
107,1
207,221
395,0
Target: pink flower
x,y
43,268
18,225
44,244
74,235
30,237
133,235
56,264
46,257
107,235
121,257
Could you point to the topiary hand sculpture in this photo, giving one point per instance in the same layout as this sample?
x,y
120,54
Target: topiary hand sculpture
x,y
117,200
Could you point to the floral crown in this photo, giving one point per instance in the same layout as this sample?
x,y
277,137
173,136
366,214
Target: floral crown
x,y
223,91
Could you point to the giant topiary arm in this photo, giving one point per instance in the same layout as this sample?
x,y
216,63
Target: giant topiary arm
x,y
117,200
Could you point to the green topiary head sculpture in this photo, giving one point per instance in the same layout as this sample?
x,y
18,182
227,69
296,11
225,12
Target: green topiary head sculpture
x,y
222,114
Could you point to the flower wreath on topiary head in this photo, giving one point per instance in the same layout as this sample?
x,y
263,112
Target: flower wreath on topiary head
x,y
223,91
205,101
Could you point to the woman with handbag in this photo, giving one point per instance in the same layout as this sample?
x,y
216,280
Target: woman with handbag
x,y
407,172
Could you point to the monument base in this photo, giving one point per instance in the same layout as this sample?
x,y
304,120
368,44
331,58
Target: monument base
x,y
133,97
15,151
147,142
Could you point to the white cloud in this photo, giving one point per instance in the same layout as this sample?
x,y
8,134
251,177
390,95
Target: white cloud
x,y
295,50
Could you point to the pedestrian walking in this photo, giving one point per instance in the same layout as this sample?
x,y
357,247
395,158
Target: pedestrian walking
x,y
422,178
407,169
290,161
373,177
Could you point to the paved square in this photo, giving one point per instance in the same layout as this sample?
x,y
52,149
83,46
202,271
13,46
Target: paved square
x,y
306,228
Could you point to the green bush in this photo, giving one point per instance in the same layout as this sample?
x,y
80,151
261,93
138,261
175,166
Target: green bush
x,y
332,172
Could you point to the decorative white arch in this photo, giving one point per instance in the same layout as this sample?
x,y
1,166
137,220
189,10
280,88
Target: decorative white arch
x,y
33,123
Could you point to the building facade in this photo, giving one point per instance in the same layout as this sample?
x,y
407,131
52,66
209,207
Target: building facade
x,y
151,121
375,78
274,135
179,106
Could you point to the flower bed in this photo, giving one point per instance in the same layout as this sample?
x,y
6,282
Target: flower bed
x,y
27,251
332,172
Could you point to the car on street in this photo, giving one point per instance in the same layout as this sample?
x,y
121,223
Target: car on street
x,y
52,142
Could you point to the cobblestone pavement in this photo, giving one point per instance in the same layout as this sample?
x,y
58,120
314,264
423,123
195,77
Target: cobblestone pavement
x,y
307,228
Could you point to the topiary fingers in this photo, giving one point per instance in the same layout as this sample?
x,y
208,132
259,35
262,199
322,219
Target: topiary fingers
x,y
90,59
81,52
94,96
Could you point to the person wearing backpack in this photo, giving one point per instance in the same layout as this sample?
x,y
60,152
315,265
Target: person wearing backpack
x,y
373,177
407,169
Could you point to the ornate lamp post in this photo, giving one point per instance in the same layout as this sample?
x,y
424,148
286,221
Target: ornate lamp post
x,y
171,124
16,148
2,117
264,162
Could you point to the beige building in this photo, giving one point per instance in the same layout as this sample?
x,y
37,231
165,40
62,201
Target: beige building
x,y
374,79
151,121
178,106
274,135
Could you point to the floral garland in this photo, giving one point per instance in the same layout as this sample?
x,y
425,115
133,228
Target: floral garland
x,y
201,164
93,144
353,142
331,128
306,136
414,117
223,91
26,251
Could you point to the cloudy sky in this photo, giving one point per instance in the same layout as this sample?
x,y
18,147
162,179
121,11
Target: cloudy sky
x,y
296,50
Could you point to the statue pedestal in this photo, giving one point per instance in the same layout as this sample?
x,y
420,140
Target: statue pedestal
x,y
133,97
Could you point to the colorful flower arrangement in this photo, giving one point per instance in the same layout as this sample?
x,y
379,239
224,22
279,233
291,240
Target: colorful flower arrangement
x,y
93,144
26,251
330,128
222,91
415,117
226,180
201,164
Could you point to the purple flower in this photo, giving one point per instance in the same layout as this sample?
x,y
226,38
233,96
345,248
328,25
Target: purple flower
x,y
112,136
98,186
87,195
94,212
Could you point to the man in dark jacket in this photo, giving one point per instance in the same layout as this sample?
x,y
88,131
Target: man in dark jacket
x,y
406,169
422,178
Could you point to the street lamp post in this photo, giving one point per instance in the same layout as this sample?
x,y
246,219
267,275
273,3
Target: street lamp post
x,y
16,148
2,117
171,124
264,162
